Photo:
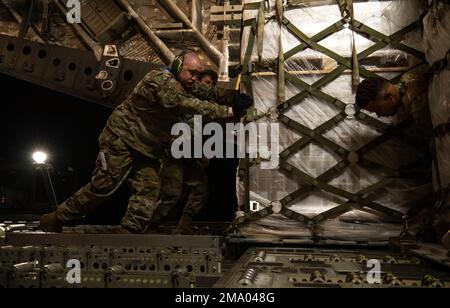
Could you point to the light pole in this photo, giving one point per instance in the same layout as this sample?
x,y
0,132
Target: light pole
x,y
40,164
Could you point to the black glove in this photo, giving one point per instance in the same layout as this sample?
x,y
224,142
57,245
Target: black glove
x,y
241,102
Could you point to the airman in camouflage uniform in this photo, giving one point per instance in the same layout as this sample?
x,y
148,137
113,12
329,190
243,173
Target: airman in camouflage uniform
x,y
177,174
413,89
408,100
132,143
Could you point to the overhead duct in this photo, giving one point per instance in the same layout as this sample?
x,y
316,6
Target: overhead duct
x,y
210,50
159,45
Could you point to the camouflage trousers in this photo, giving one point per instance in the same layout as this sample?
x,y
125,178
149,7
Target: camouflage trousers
x,y
174,174
115,164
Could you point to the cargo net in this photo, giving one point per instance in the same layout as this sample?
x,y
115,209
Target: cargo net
x,y
343,173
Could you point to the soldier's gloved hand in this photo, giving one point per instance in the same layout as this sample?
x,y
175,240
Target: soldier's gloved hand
x,y
241,102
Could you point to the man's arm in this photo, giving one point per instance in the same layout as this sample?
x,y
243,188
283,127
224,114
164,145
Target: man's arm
x,y
212,93
170,94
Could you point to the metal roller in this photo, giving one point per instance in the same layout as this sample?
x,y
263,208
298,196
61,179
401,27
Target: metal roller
x,y
25,267
432,282
54,268
317,276
260,256
116,270
248,277
354,278
391,279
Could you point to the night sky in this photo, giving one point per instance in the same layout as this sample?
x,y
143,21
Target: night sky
x,y
33,117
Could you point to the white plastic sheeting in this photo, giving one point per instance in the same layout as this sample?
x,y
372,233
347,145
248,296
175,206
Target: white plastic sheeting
x,y
387,17
436,34
269,186
437,43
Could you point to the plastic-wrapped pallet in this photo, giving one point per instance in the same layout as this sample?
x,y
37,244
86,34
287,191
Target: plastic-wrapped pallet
x,y
335,135
437,47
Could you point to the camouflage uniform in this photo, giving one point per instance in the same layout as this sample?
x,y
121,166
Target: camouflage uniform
x,y
413,88
414,92
174,174
131,145
116,163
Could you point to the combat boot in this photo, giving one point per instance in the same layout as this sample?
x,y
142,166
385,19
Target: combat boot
x,y
125,229
50,223
184,225
155,222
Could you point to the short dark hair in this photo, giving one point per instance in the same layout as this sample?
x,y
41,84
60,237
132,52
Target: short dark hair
x,y
209,72
368,90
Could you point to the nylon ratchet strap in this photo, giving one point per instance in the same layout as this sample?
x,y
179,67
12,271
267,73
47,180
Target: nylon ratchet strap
x,y
336,27
253,216
312,44
244,163
307,188
392,40
260,30
246,70
340,192
298,145
349,205
281,75
312,134
307,182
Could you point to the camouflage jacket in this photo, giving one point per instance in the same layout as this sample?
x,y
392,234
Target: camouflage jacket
x,y
413,88
145,118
